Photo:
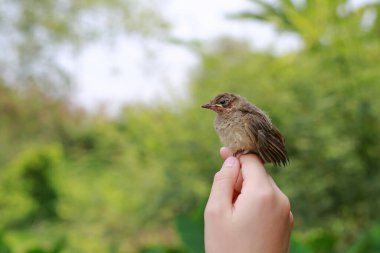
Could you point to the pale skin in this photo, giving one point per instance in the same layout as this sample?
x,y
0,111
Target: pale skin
x,y
246,211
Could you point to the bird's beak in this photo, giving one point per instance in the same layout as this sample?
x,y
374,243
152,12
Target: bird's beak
x,y
213,107
207,106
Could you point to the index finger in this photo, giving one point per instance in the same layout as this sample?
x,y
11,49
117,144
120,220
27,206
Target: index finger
x,y
253,170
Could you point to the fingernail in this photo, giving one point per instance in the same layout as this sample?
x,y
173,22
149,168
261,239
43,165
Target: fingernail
x,y
230,161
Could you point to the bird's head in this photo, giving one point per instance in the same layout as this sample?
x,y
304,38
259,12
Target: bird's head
x,y
224,102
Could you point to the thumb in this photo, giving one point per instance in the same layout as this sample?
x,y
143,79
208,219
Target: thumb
x,y
222,190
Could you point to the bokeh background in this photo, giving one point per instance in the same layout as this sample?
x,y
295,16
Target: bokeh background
x,y
135,177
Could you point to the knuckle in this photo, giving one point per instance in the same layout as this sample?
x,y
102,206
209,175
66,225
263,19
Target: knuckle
x,y
291,217
285,204
268,197
265,197
213,212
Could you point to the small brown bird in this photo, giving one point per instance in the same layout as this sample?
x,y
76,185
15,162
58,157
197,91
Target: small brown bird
x,y
245,128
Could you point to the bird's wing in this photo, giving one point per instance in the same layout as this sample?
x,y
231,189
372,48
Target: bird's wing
x,y
269,141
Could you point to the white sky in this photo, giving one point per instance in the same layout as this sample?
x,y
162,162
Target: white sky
x,y
133,70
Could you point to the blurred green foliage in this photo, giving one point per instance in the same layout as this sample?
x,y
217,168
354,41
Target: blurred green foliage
x,y
28,180
368,241
138,182
190,228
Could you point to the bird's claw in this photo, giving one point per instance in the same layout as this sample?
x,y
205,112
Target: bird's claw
x,y
241,152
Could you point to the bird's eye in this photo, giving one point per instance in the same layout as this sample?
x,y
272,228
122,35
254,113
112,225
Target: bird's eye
x,y
222,102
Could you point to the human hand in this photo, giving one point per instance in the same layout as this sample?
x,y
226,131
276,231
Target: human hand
x,y
246,211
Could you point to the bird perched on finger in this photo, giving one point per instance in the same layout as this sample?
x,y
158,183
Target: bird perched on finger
x,y
244,128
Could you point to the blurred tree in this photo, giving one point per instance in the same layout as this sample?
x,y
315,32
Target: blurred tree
x,y
125,182
37,181
35,34
319,23
325,99
34,196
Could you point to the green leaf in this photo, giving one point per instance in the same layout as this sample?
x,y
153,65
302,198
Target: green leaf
x,y
160,249
4,247
368,242
191,230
